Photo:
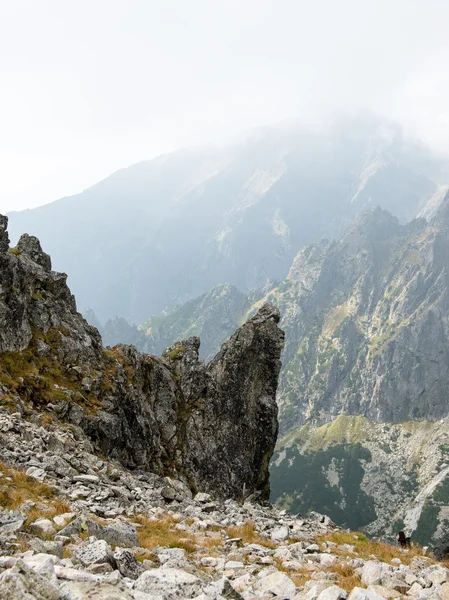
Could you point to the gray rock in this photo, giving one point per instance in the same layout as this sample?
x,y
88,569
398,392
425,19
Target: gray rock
x,y
127,564
11,521
22,583
94,591
225,590
121,534
277,584
94,552
362,594
333,592
280,534
178,413
42,527
372,573
47,547
171,584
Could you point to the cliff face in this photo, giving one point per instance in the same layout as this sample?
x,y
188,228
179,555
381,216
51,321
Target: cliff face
x,y
369,321
215,425
365,376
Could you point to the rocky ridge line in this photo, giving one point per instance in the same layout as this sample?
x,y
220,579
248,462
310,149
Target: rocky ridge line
x,y
213,425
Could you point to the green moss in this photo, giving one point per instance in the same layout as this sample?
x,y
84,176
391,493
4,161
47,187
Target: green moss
x,y
176,353
37,297
37,379
15,251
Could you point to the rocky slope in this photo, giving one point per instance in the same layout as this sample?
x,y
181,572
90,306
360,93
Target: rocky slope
x,y
366,320
77,527
213,425
162,232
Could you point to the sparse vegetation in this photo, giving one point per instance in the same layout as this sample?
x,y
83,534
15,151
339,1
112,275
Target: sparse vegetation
x,y
249,535
17,489
40,379
176,353
162,532
366,547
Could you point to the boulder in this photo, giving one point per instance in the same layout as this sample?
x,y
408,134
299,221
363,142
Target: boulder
x,y
127,564
280,534
22,583
278,584
372,573
333,592
42,527
171,584
362,594
94,552
11,521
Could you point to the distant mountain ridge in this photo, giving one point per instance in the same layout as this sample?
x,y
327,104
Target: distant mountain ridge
x,y
363,393
162,232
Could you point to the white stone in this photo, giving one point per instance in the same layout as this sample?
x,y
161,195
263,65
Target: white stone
x,y
362,594
174,583
202,497
280,534
327,560
63,520
333,592
383,591
277,584
74,574
43,527
415,590
36,473
438,576
372,573
96,552
86,478
234,564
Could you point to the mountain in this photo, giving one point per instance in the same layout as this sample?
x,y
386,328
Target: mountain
x,y
165,231
364,406
214,425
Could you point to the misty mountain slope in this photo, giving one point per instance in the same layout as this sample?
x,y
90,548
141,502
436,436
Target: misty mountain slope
x,y
363,393
162,232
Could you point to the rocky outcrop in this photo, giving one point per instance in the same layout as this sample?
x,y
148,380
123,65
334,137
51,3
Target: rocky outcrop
x,y
365,376
214,425
90,529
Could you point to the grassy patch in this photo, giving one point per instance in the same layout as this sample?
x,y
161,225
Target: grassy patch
x,y
249,535
365,547
176,353
161,532
346,577
16,488
38,378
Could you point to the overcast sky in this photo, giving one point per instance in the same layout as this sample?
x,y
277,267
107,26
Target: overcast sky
x,y
89,86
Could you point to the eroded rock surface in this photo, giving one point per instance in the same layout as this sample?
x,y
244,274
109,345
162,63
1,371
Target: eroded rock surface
x,y
214,425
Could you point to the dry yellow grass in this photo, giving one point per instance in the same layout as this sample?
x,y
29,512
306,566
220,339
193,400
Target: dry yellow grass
x,y
366,547
161,532
299,579
249,535
16,488
346,578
